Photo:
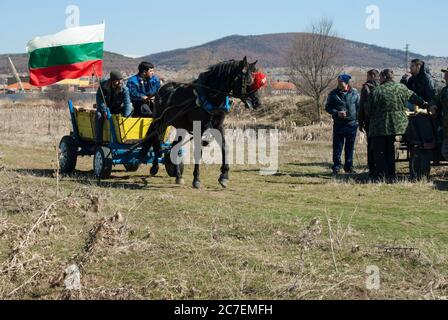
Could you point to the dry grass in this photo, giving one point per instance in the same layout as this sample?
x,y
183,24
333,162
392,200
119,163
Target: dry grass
x,y
296,235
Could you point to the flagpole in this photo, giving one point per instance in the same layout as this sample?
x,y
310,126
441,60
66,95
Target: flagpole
x,y
99,84
96,75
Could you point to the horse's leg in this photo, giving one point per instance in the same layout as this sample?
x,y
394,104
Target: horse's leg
x,y
179,179
225,168
197,175
146,146
197,160
155,163
147,143
157,145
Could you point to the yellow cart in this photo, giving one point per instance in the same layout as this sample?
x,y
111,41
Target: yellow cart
x,y
121,139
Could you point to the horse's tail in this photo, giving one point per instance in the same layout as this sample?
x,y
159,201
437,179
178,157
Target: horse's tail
x,y
151,138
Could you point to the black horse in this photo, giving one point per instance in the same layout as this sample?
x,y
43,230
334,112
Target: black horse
x,y
180,105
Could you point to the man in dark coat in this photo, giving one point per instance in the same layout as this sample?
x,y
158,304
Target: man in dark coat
x,y
420,81
373,81
439,106
343,104
115,96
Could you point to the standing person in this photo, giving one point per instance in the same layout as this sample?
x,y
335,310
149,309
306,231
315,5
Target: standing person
x,y
373,81
420,80
143,87
386,110
342,104
440,106
115,96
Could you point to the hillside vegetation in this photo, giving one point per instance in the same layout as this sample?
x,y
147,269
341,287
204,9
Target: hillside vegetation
x,y
271,50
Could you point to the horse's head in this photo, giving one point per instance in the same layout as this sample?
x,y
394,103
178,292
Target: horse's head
x,y
243,86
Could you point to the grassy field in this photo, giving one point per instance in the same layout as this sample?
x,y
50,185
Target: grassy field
x,y
297,235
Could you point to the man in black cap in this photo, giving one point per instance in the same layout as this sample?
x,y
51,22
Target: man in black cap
x,y
439,106
115,96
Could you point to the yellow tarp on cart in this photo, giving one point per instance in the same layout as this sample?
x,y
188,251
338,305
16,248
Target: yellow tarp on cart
x,y
128,130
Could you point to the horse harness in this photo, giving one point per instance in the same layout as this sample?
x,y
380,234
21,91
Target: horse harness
x,y
226,106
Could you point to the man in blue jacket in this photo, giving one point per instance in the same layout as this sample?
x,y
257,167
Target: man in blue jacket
x,y
343,104
115,96
143,87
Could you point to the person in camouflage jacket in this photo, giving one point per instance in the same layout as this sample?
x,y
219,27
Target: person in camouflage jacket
x,y
440,104
386,110
386,107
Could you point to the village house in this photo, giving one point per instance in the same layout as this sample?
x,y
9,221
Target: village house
x,y
282,87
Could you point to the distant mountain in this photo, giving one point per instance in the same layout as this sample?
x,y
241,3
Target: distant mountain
x,y
20,61
271,50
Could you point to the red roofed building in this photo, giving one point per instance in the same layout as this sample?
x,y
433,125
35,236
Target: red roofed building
x,y
16,87
282,87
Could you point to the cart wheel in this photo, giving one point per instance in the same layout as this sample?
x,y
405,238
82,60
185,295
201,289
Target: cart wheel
x,y
102,163
171,168
68,155
132,167
420,163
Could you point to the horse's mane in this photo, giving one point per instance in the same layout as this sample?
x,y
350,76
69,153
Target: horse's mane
x,y
222,69
218,76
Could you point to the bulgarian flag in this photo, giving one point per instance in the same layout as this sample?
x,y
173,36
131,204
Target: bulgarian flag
x,y
70,54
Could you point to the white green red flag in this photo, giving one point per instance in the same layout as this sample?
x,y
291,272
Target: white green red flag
x,y
70,54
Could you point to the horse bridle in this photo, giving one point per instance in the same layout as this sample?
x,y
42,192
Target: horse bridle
x,y
244,93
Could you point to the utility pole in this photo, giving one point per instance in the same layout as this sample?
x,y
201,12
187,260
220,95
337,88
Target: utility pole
x,y
406,63
16,74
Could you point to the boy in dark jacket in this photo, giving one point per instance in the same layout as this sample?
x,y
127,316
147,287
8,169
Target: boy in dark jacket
x,y
343,104
373,81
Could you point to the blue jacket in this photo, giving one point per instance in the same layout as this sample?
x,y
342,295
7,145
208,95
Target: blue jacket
x,y
139,88
344,101
118,103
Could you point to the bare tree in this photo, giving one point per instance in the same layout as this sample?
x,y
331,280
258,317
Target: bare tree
x,y
314,61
